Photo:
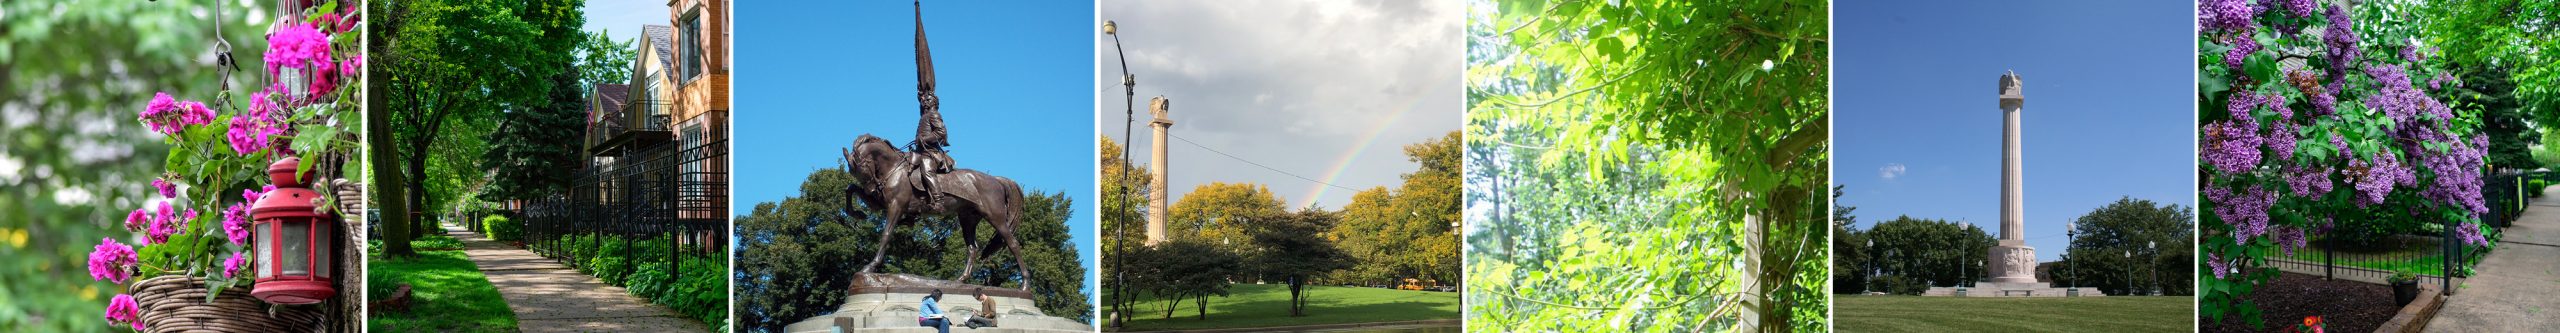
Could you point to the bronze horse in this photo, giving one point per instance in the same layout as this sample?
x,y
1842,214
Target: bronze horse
x,y
887,179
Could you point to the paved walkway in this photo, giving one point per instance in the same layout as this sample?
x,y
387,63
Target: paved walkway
x,y
2517,287
549,297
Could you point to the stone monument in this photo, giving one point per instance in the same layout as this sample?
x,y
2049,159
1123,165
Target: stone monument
x,y
900,186
2012,264
2012,261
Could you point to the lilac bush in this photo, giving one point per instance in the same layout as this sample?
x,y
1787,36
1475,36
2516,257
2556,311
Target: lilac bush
x,y
2373,147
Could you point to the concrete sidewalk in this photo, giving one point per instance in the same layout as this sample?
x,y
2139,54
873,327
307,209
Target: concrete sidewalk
x,y
549,297
2517,287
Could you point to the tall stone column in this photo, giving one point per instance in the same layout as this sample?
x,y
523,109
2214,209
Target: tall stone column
x,y
1156,206
2012,261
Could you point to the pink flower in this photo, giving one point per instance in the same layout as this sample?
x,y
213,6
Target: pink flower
x,y
167,190
111,261
235,223
301,46
251,133
121,310
195,113
163,225
250,195
162,115
135,221
231,267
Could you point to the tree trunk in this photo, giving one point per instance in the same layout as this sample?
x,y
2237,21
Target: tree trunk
x,y
1202,303
387,184
1174,303
1297,298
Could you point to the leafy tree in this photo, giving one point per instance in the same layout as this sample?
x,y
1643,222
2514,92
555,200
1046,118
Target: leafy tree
x,y
1407,232
2097,257
795,256
1849,254
1292,249
1656,163
448,62
1185,269
1223,213
1936,253
1124,192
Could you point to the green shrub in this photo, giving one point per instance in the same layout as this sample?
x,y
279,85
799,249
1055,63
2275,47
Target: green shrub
x,y
502,229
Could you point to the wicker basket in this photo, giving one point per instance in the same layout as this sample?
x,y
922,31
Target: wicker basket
x,y
175,303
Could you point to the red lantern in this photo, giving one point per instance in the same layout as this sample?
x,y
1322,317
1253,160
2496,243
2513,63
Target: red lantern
x,y
294,241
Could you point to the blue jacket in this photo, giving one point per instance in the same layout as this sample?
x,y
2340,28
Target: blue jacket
x,y
930,309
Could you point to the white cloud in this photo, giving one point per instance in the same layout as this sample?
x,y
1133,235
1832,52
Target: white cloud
x,y
1891,171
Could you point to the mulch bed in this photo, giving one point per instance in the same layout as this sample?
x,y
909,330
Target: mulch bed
x,y
2343,306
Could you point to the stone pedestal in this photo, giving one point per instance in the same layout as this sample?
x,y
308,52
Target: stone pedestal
x,y
891,302
2012,262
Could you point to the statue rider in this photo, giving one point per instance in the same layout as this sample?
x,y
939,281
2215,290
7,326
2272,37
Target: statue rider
x,y
931,137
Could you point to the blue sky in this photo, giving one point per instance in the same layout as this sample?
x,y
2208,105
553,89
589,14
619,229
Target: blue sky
x,y
812,75
2109,111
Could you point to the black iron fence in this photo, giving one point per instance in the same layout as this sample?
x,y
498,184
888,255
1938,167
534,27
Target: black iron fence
x,y
2435,255
672,190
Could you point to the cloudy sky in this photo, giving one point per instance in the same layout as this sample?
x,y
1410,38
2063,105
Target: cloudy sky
x,y
1328,90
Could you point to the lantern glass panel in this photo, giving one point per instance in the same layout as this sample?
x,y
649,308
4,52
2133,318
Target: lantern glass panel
x,y
297,248
323,249
266,256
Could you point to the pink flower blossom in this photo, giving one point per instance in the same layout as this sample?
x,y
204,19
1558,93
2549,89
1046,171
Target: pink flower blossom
x,y
254,132
163,225
301,46
235,223
231,267
122,310
111,261
167,190
135,221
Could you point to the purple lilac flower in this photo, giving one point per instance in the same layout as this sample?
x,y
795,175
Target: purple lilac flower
x,y
2219,268
2281,141
2231,147
2275,102
2410,53
2307,181
2373,180
2341,41
2241,102
231,267
2241,47
2225,15
2289,238
2245,211
2469,233
2305,8
122,310
2340,142
2323,104
2396,99
111,261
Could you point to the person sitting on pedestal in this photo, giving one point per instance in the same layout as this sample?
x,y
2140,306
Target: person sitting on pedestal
x,y
986,316
931,315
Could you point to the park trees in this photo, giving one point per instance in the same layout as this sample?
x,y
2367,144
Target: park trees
x,y
445,65
1660,164
1292,248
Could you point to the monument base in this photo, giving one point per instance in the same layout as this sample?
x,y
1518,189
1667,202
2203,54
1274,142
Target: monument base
x,y
2011,289
2012,262
891,303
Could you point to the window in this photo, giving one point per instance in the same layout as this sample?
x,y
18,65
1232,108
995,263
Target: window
x,y
692,41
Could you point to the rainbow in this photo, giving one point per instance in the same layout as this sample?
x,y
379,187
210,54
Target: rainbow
x,y
1370,139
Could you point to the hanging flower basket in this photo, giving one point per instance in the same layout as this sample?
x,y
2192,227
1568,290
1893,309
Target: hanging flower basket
x,y
176,303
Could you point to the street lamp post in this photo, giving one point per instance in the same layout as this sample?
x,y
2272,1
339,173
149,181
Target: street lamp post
x,y
2072,232
1129,114
2128,274
2154,267
1871,266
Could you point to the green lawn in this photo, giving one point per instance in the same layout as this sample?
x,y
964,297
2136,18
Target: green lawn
x,y
448,294
1955,314
1266,305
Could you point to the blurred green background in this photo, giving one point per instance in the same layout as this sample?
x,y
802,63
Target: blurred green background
x,y
73,161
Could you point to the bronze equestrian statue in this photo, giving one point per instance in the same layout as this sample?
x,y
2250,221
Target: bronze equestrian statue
x,y
909,184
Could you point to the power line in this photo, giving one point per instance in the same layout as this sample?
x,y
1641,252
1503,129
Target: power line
x,y
1266,167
